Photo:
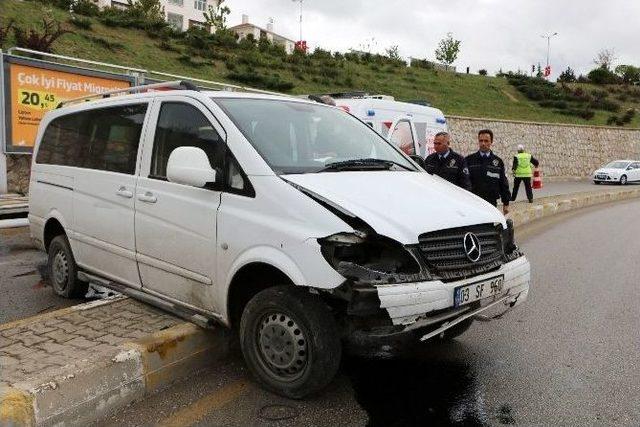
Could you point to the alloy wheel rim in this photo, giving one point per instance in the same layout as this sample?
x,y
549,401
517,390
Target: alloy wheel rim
x,y
60,270
282,346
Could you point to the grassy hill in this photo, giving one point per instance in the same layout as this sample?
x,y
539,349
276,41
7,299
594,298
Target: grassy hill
x,y
455,94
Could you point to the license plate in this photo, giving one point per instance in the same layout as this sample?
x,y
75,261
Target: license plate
x,y
477,291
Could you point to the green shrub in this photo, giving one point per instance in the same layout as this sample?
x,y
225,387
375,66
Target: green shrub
x,y
168,47
78,22
252,58
561,105
599,94
585,114
252,78
603,76
106,44
86,8
605,104
197,38
231,64
482,72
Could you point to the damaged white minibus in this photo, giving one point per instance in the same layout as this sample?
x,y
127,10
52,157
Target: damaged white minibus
x,y
291,221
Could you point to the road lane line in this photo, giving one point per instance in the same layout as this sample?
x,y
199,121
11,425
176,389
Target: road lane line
x,y
200,408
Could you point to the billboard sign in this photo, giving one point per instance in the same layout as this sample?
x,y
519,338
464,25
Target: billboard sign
x,y
33,88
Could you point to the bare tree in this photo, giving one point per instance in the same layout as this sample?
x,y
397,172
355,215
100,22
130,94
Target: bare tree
x,y
605,58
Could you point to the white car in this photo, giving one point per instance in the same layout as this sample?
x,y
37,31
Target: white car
x,y
619,172
292,221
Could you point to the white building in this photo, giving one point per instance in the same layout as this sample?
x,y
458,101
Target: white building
x,y
246,28
180,14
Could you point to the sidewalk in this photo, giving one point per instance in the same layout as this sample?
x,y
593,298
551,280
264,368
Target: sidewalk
x,y
75,364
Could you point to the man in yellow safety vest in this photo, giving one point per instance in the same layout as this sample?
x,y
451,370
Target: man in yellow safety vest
x,y
522,172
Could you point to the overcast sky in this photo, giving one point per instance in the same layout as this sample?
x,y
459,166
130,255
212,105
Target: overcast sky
x,y
494,33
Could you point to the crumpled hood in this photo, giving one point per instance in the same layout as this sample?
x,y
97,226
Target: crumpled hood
x,y
400,205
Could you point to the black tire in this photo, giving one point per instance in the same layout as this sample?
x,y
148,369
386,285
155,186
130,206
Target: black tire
x,y
457,330
596,182
623,180
62,269
284,318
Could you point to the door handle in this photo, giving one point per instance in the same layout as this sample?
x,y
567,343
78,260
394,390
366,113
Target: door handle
x,y
147,197
123,192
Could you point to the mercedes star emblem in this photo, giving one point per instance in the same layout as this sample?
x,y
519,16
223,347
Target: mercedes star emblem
x,y
472,247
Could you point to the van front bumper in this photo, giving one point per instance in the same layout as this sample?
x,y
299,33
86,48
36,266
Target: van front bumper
x,y
410,302
420,311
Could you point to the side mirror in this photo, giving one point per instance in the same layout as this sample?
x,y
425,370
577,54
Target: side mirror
x,y
419,160
190,166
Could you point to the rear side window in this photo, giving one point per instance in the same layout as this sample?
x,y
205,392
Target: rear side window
x,y
183,125
104,139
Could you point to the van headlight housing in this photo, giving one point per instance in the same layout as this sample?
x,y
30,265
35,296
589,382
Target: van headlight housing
x,y
509,246
373,260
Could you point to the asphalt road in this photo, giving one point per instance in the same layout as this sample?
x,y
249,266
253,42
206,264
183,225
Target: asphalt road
x,y
569,356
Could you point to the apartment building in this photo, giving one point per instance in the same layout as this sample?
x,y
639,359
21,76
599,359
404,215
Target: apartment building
x,y
180,14
246,28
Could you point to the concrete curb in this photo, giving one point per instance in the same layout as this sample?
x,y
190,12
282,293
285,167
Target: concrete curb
x,y
568,203
138,368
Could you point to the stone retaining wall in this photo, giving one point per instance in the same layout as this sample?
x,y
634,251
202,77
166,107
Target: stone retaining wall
x,y
18,169
565,151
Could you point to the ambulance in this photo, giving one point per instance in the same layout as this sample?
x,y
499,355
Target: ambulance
x,y
409,125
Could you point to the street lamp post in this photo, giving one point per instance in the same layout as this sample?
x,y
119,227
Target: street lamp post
x,y
548,37
300,1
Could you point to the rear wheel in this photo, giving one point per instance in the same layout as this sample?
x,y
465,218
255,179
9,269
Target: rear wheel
x,y
63,270
623,180
290,341
596,182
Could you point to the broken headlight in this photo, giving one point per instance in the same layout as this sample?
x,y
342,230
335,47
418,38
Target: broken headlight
x,y
509,246
372,259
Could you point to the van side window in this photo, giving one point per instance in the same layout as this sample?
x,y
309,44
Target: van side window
x,y
103,139
181,125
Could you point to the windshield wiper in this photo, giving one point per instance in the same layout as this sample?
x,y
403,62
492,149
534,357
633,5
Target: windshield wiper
x,y
362,164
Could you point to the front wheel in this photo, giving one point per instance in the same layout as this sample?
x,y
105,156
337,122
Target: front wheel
x,y
290,341
623,180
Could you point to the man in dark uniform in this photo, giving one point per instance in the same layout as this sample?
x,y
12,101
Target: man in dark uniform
x,y
447,164
488,178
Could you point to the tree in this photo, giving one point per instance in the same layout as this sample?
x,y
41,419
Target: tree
x,y
35,40
567,76
448,49
4,31
605,58
538,71
393,52
216,17
148,13
628,73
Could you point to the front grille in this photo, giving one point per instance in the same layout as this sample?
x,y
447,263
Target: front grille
x,y
444,253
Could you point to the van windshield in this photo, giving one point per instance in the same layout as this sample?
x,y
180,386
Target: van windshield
x,y
296,137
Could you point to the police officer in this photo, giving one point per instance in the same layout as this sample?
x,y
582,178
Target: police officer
x,y
522,172
446,163
488,178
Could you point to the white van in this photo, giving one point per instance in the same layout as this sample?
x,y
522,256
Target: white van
x,y
289,220
410,126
